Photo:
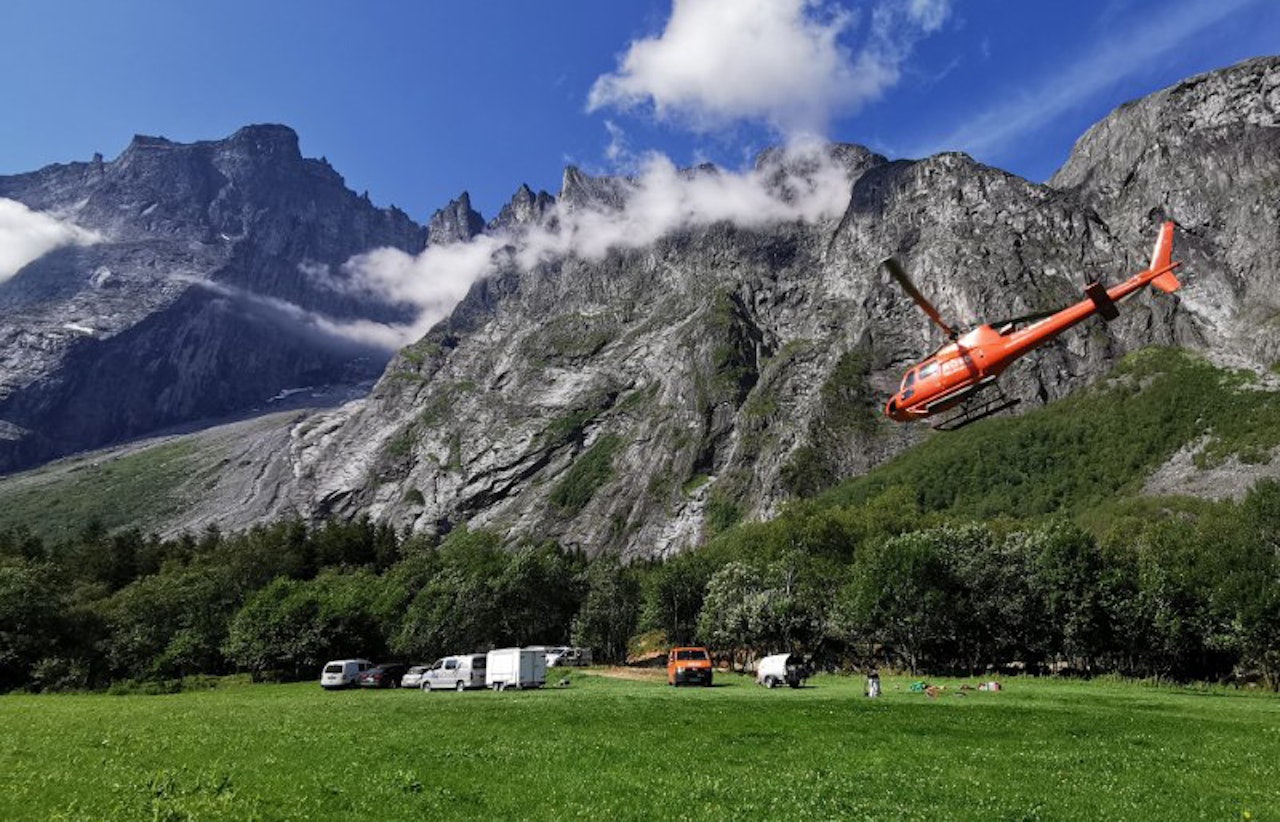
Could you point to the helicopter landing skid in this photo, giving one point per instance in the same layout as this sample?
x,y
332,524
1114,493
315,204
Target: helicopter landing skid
x,y
972,412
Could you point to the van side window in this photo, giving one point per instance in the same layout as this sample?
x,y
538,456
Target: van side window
x,y
451,664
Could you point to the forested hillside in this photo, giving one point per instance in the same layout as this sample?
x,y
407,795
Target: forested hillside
x,y
1020,542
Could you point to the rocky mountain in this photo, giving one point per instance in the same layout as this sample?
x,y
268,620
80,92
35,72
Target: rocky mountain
x,y
213,286
637,400
1204,152
630,391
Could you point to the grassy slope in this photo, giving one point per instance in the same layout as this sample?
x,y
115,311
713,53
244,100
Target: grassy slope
x,y
638,750
139,489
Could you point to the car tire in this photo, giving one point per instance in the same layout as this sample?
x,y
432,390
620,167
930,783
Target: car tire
x,y
425,687
461,686
770,682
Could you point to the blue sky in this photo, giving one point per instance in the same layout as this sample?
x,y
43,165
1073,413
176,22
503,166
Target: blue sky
x,y
417,101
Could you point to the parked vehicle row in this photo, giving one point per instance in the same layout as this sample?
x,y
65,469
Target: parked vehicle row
x,y
527,668
498,669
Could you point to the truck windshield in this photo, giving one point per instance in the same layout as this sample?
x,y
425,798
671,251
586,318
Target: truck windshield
x,y
692,654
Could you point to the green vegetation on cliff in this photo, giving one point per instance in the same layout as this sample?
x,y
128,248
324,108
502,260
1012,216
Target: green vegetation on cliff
x,y
1086,449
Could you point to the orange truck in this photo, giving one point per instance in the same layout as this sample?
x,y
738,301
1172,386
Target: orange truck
x,y
688,666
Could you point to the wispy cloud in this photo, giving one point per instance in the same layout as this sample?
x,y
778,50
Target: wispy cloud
x,y
1119,54
787,63
27,235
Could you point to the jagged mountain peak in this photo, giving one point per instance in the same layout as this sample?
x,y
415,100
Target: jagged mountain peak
x,y
803,159
456,222
579,190
268,137
524,209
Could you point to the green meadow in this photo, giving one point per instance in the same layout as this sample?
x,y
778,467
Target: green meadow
x,y
616,749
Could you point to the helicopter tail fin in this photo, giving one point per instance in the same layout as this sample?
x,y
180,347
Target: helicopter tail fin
x,y
1162,261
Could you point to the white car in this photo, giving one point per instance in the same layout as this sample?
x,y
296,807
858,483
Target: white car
x,y
563,656
343,673
413,677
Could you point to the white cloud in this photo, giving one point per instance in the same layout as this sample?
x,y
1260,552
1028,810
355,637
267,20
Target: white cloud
x,y
434,282
1067,87
658,201
781,62
27,235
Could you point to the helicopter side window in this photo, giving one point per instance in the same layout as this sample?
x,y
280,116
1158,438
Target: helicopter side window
x,y
908,384
929,370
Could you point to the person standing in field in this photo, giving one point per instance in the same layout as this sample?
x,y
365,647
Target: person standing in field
x,y
873,684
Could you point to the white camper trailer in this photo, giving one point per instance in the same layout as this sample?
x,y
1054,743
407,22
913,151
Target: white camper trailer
x,y
781,669
516,668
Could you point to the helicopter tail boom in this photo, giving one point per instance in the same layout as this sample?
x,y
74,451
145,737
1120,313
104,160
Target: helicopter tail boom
x,y
1162,261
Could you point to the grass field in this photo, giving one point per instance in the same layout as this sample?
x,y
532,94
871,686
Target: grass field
x,y
615,749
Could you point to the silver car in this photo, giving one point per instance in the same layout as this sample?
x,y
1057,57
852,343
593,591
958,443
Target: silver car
x,y
413,677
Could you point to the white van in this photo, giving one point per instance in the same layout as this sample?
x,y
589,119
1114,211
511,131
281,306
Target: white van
x,y
455,673
343,673
516,668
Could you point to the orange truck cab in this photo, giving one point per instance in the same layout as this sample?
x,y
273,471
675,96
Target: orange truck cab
x,y
688,666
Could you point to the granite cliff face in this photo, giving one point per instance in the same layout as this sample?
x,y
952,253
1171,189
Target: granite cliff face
x,y
1205,152
635,401
206,294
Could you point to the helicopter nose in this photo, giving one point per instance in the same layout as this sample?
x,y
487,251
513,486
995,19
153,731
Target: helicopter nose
x,y
891,407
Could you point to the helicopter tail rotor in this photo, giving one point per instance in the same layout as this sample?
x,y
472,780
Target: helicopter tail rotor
x,y
896,271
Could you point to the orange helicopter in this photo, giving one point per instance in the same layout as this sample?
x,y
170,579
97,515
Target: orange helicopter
x,y
951,376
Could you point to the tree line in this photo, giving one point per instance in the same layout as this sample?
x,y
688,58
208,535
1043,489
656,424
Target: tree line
x,y
1180,590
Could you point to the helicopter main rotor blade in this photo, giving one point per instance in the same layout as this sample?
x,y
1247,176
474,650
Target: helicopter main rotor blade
x,y
896,271
1025,318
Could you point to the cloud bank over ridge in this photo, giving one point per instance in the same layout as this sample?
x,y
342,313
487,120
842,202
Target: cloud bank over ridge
x,y
26,236
661,199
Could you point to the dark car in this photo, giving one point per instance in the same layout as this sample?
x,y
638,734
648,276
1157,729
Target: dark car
x,y
386,675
